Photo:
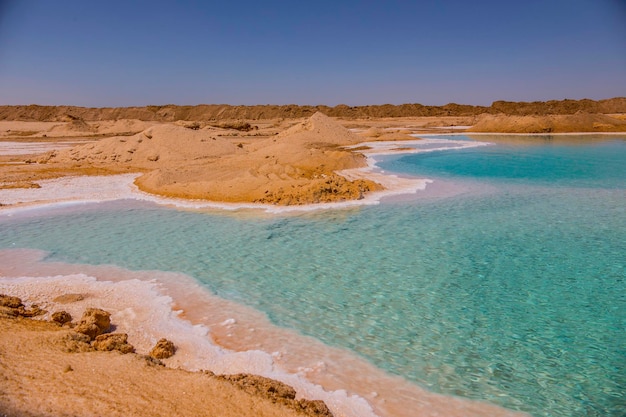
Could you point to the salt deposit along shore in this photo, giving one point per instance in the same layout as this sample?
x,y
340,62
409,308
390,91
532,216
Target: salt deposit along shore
x,y
210,333
308,164
183,313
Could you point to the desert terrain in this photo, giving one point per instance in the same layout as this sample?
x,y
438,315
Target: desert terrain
x,y
280,155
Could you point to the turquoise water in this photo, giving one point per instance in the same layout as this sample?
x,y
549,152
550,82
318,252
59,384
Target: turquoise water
x,y
538,160
516,296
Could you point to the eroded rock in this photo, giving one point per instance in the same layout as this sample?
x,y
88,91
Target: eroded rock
x,y
94,323
14,307
61,317
163,349
74,342
278,392
8,312
9,301
113,341
31,312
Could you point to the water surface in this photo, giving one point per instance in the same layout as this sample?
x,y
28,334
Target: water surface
x,y
516,296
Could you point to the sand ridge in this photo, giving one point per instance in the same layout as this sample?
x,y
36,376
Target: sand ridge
x,y
172,113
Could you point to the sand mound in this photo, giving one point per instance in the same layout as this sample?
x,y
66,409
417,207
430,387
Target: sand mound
x,y
295,167
153,148
579,122
112,127
73,124
320,128
372,132
375,133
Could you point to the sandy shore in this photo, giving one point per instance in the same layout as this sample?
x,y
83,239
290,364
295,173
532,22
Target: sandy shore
x,y
210,333
42,379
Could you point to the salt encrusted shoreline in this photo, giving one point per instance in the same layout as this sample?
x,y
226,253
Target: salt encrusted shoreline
x,y
149,305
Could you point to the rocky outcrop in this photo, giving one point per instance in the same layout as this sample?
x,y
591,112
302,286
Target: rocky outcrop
x,y
579,122
113,341
14,307
61,317
326,189
10,302
74,342
35,342
278,392
163,349
94,323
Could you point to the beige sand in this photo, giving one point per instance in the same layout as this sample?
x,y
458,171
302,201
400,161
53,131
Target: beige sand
x,y
295,166
40,378
580,122
276,162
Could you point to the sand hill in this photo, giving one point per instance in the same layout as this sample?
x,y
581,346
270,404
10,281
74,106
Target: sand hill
x,y
579,122
319,129
295,167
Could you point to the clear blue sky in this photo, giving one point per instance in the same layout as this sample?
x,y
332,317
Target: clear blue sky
x,y
126,53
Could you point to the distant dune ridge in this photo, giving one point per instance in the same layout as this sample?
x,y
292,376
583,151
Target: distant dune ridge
x,y
579,122
171,113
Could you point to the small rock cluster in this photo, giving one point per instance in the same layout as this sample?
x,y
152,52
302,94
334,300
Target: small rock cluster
x,y
89,334
163,349
278,392
13,307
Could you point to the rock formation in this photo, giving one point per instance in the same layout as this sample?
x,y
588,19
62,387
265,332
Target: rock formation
x,y
278,393
163,349
13,307
61,317
113,341
94,323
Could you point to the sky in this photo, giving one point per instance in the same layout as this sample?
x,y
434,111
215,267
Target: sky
x,y
136,53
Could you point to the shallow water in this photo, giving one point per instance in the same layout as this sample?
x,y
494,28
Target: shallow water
x,y
514,296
